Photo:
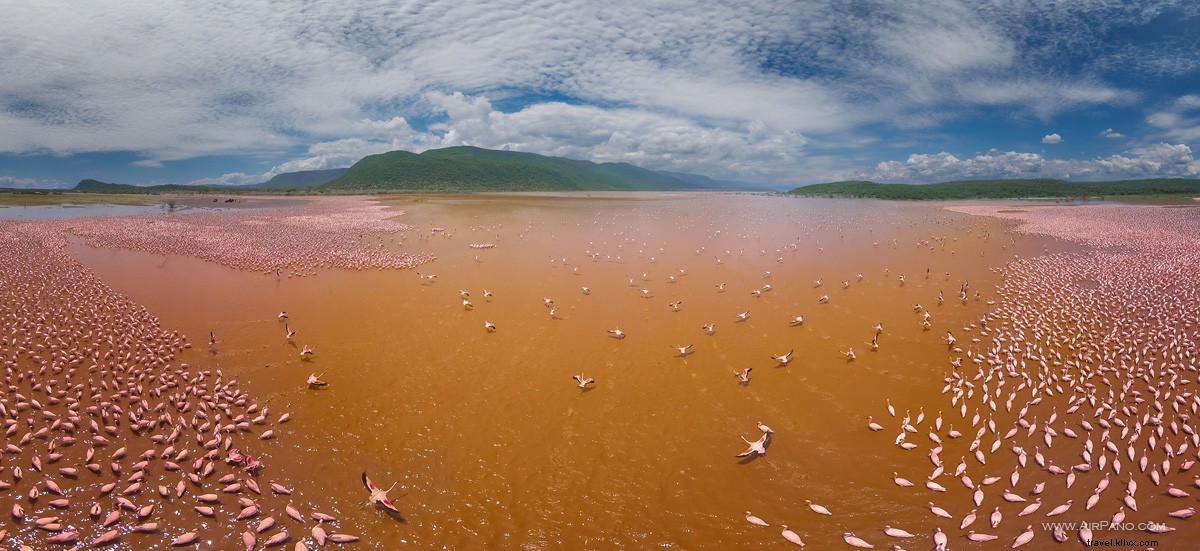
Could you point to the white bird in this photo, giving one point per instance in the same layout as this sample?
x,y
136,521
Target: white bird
x,y
491,327
764,428
583,383
1024,537
378,495
743,375
798,320
683,350
783,359
759,446
817,508
617,333
792,536
856,541
743,316
755,520
896,532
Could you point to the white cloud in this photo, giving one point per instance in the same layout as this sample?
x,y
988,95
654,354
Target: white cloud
x,y
1051,138
1179,121
1162,160
751,83
651,140
32,183
232,179
1110,133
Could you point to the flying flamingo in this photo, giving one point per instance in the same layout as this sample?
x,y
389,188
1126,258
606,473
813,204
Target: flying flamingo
x,y
783,359
378,496
759,446
583,383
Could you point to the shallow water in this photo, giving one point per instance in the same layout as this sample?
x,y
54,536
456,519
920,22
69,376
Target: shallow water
x,y
492,441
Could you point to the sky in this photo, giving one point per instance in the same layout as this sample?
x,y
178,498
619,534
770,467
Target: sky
x,y
779,92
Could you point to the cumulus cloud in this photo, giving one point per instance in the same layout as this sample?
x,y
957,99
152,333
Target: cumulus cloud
x,y
32,183
753,84
1180,120
651,140
1051,138
232,179
1161,160
1110,133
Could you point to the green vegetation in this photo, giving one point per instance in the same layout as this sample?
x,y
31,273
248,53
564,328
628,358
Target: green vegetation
x,y
299,180
1003,189
96,186
457,169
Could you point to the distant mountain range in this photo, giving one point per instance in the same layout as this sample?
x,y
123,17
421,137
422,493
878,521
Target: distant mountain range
x,y
299,180
1002,189
457,169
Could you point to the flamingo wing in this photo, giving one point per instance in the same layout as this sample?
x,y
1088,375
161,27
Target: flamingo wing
x,y
748,451
367,482
388,503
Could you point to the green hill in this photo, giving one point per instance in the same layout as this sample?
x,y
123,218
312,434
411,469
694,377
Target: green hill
x,y
458,169
96,186
299,180
1002,189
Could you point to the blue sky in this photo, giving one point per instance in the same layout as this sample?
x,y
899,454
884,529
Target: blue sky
x,y
781,92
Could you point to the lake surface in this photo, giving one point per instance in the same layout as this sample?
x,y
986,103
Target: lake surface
x,y
487,432
492,444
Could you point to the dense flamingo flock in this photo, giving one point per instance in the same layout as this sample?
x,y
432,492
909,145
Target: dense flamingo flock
x,y
108,434
293,241
1082,375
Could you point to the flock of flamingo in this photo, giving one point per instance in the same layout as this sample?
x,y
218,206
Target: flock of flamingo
x,y
106,427
106,430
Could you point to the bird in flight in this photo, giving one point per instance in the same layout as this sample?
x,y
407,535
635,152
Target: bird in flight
x,y
758,446
378,495
583,383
